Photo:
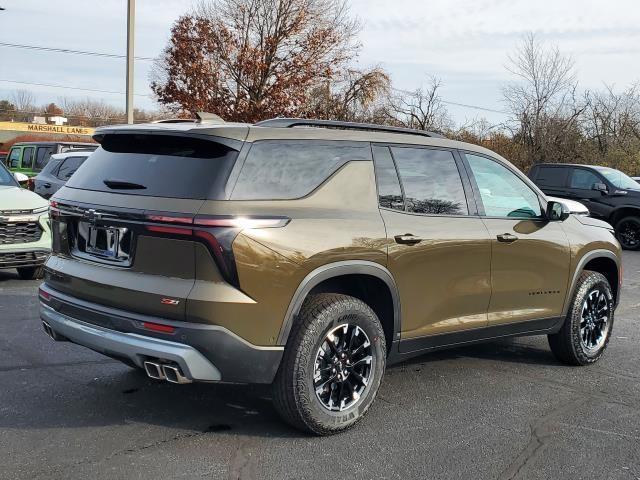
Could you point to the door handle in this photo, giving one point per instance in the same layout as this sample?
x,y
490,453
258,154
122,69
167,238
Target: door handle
x,y
507,238
407,239
46,185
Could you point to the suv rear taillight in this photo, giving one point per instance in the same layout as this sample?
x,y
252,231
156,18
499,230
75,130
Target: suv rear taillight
x,y
216,232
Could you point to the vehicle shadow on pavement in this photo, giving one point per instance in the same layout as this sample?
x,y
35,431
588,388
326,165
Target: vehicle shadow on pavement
x,y
124,396
78,398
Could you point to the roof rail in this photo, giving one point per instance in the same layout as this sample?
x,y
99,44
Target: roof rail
x,y
301,122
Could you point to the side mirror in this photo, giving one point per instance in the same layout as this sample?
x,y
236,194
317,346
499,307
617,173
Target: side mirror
x,y
557,211
600,187
21,178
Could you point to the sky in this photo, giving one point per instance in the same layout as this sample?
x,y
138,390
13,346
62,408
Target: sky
x,y
465,43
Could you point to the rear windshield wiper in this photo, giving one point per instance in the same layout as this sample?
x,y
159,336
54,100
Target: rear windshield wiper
x,y
123,185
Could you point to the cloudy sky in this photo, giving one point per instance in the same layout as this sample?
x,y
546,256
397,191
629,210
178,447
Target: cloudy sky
x,y
463,42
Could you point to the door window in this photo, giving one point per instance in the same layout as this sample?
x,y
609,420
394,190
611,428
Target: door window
x,y
551,176
14,158
431,181
583,179
27,157
502,192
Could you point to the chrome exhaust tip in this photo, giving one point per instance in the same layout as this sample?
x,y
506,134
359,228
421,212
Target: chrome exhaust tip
x,y
174,375
47,330
154,370
52,333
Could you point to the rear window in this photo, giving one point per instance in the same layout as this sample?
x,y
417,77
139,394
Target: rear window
x,y
551,176
280,170
157,165
69,166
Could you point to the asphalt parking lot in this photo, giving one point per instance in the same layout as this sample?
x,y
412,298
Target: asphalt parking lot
x,y
501,410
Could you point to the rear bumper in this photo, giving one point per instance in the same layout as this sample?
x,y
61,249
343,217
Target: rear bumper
x,y
204,352
136,348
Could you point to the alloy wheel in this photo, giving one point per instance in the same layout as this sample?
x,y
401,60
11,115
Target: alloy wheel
x,y
629,234
343,367
594,321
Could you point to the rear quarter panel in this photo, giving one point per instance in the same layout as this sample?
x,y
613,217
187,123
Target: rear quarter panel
x,y
338,221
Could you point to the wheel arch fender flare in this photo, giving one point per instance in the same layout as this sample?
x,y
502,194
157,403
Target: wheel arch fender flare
x,y
338,269
618,214
592,255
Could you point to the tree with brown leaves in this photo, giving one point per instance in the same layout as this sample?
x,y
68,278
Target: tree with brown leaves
x,y
247,60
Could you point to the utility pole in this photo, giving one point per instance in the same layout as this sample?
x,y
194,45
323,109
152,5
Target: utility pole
x,y
131,20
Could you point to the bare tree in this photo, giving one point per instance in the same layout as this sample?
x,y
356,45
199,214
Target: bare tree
x,y
422,109
24,101
354,95
543,101
612,120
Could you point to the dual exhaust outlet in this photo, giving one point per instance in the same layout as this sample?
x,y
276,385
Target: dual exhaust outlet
x,y
164,371
156,370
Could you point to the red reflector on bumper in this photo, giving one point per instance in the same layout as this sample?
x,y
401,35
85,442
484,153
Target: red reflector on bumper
x,y
156,327
44,295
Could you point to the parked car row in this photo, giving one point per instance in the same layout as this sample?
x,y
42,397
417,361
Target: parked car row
x,y
31,157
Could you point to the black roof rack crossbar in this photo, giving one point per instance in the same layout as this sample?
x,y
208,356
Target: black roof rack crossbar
x,y
301,122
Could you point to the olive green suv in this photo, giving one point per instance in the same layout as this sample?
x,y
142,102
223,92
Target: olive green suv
x,y
312,254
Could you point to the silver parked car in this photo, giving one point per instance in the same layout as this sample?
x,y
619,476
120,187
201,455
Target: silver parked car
x,y
57,171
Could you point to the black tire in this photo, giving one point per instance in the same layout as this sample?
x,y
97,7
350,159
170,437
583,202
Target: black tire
x,y
30,273
568,345
628,233
294,391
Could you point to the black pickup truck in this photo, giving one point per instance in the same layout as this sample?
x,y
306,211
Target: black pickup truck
x,y
608,193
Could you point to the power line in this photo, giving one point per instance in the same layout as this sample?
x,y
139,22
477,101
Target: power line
x,y
113,55
67,50
69,88
466,105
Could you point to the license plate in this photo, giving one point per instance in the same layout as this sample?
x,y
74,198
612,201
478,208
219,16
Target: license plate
x,y
103,241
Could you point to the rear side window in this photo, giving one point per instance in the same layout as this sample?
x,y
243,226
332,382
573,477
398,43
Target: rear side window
x,y
281,170
69,166
431,181
389,191
583,179
157,165
27,157
42,156
551,176
14,158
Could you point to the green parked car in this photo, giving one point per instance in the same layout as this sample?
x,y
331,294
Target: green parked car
x,y
31,157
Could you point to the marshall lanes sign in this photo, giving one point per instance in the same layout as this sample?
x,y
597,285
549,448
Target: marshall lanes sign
x,y
36,128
